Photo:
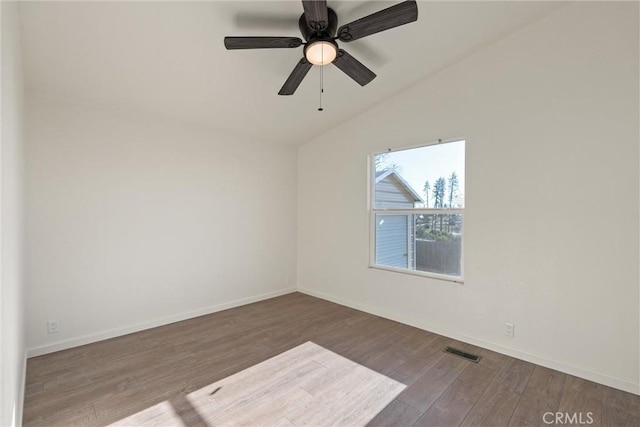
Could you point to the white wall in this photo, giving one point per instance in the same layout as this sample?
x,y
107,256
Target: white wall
x,y
132,222
550,116
12,354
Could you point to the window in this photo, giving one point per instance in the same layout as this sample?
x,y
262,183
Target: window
x,y
417,210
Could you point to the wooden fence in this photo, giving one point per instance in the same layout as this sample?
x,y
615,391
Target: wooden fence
x,y
439,256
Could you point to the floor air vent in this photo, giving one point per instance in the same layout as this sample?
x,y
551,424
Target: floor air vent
x,y
460,353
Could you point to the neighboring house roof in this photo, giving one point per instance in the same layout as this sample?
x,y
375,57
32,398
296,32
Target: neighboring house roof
x,y
380,175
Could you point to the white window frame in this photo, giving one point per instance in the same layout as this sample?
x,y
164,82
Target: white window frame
x,y
415,211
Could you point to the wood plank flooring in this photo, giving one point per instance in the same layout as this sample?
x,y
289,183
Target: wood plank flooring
x,y
307,385
157,371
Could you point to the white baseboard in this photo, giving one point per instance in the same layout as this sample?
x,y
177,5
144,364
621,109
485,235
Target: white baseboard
x,y
587,374
100,336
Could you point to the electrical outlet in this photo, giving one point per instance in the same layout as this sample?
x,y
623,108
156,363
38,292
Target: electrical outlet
x,y
509,329
52,326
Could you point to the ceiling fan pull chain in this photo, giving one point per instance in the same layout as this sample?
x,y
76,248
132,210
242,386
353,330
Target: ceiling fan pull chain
x,y
321,80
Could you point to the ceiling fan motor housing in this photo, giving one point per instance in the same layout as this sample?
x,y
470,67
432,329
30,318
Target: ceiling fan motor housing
x,y
327,34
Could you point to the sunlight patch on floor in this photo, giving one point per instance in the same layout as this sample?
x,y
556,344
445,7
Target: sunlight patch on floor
x,y
307,385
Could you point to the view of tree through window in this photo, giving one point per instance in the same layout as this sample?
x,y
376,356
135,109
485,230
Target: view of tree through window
x,y
418,208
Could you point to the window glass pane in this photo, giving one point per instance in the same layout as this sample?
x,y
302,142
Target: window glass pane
x,y
439,243
394,240
429,177
423,242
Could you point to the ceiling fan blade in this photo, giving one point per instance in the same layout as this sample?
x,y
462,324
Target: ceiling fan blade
x,y
353,68
261,42
394,16
316,14
296,77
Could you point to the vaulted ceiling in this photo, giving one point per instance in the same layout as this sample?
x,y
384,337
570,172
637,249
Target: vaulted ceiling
x,y
168,58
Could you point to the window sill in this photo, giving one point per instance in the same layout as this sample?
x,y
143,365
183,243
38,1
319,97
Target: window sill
x,y
419,273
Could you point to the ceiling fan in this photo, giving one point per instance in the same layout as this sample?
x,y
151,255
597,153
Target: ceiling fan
x,y
318,26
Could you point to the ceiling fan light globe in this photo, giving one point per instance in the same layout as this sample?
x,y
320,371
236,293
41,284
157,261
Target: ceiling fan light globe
x,y
321,53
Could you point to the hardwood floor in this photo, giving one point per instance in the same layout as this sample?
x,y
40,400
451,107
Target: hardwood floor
x,y
307,385
106,382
